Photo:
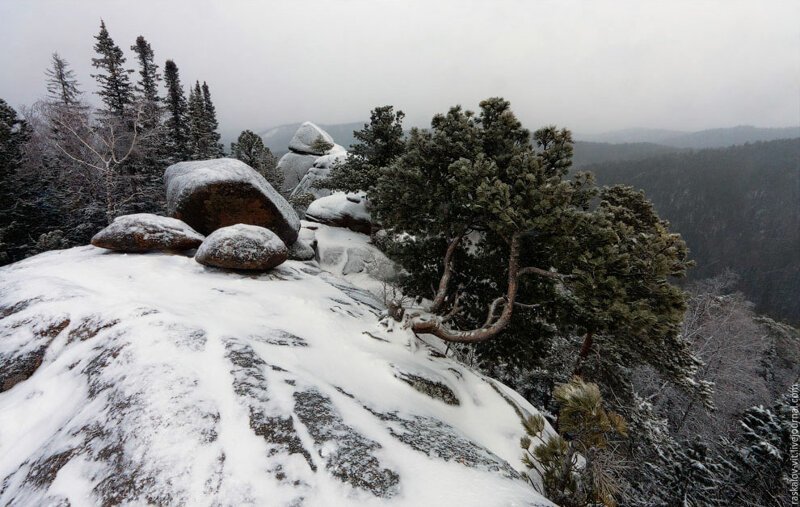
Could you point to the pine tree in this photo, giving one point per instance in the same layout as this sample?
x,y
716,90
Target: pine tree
x,y
214,147
177,123
115,90
587,429
62,87
250,149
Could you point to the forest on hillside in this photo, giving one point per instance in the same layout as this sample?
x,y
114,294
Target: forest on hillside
x,y
738,209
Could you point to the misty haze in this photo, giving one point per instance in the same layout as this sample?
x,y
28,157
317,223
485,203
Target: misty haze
x,y
400,253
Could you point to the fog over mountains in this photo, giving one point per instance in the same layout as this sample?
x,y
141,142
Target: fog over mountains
x,y
628,143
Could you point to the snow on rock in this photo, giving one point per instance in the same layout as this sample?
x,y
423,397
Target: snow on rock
x,y
341,210
294,167
301,251
209,194
148,379
242,246
142,232
305,137
350,255
318,172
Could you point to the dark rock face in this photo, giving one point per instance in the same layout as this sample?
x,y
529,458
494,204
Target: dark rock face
x,y
353,460
143,232
210,194
242,247
433,388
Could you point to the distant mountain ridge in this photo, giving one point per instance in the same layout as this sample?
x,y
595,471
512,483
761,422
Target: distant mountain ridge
x,y
711,138
621,145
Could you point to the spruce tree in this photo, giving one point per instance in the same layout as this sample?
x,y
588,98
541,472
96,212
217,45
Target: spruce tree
x,y
378,144
177,123
214,147
115,88
14,133
147,86
150,162
250,149
198,138
62,87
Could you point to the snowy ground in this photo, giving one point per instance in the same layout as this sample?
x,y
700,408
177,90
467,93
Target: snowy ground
x,y
165,382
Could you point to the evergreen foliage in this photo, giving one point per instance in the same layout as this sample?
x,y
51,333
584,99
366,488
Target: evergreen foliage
x,y
177,123
147,86
586,430
250,149
483,212
14,133
203,136
215,148
62,87
321,145
378,144
113,78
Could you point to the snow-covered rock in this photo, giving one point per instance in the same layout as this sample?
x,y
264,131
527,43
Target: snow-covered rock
x,y
142,232
341,210
242,246
351,256
294,167
304,138
148,379
319,171
209,194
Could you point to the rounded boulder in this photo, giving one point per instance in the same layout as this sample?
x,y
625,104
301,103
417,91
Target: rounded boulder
x,y
242,246
210,194
143,232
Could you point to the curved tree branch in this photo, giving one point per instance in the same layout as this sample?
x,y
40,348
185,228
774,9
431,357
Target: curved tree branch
x,y
441,292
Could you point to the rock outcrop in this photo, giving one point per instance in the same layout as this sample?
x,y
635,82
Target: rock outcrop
x,y
306,157
209,194
143,232
341,210
242,246
146,380
305,138
318,172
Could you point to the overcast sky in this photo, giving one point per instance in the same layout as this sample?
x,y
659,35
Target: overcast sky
x,y
591,66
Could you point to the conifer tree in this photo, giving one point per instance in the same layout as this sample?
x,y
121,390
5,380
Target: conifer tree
x,y
147,86
214,147
250,149
176,124
198,138
378,144
14,133
62,87
516,251
115,88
